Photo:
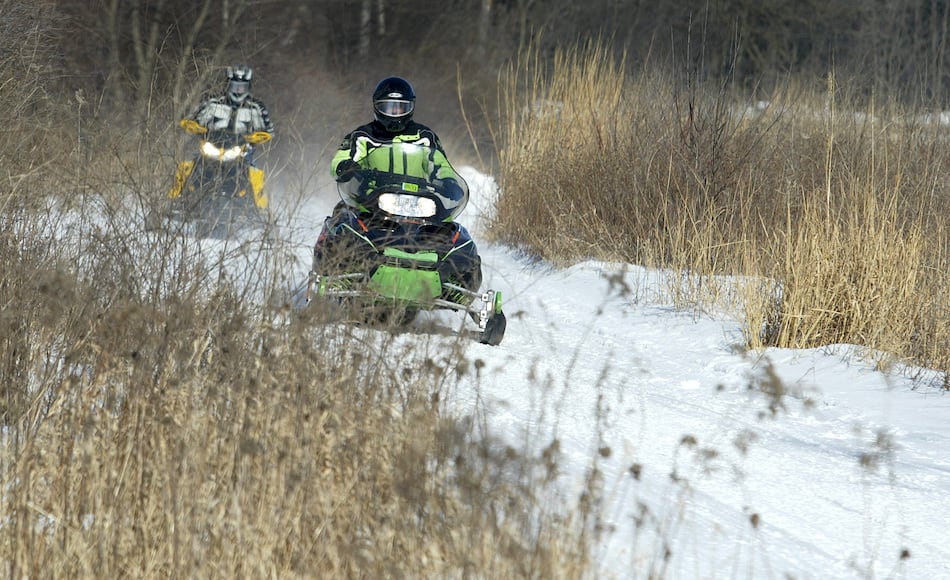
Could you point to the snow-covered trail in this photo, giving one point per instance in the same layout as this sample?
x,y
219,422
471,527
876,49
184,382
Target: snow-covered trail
x,y
853,471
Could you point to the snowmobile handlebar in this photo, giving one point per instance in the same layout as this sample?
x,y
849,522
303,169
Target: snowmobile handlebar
x,y
193,127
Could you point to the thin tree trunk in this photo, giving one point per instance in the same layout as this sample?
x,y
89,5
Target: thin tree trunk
x,y
146,50
366,20
381,17
178,98
524,7
113,84
484,25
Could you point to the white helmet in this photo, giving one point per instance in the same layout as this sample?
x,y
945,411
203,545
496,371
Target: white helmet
x,y
239,82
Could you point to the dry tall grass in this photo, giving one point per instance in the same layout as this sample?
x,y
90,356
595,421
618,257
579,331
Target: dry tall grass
x,y
829,210
165,415
162,414
563,128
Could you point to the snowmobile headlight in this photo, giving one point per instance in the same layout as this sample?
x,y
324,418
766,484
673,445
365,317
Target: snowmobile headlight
x,y
406,205
209,149
232,153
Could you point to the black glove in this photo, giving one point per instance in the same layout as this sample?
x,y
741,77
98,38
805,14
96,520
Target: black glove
x,y
346,170
452,189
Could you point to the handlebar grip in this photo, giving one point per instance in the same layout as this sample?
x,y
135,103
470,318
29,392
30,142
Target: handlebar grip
x,y
258,137
192,126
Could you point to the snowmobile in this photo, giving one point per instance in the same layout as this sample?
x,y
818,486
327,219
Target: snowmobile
x,y
395,250
219,192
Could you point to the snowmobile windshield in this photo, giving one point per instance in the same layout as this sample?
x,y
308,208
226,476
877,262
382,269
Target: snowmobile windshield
x,y
224,138
403,196
404,158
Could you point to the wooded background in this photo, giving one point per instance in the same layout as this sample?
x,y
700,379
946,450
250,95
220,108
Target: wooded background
x,y
127,48
136,61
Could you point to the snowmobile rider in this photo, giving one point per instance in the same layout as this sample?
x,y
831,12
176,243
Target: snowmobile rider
x,y
235,111
371,146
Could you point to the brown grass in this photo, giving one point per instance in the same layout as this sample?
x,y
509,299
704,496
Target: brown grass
x,y
822,211
163,414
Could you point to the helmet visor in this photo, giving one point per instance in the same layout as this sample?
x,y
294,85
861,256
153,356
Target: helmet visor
x,y
239,88
394,107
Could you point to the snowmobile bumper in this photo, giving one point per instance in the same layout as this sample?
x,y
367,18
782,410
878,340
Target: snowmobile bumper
x,y
417,289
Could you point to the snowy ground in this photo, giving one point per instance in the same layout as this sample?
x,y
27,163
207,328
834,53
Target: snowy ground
x,y
852,472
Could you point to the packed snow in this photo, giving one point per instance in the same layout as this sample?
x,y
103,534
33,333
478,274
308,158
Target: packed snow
x,y
704,474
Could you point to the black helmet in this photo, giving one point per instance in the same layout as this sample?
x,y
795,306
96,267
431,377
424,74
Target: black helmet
x,y
239,82
393,103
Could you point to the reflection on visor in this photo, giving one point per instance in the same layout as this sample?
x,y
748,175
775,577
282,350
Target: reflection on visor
x,y
393,108
239,87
